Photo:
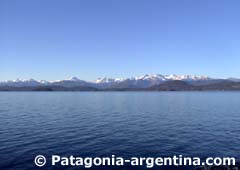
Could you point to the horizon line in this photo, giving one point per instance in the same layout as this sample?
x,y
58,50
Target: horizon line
x,y
124,77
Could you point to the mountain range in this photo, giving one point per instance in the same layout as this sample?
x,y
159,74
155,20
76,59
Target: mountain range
x,y
153,82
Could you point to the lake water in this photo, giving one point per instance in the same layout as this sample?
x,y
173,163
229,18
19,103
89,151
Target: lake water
x,y
125,124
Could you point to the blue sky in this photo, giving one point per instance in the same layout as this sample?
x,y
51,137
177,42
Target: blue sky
x,y
55,39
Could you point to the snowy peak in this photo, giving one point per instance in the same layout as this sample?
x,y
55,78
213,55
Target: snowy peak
x,y
143,81
186,77
154,77
74,79
33,82
150,77
21,82
104,80
109,80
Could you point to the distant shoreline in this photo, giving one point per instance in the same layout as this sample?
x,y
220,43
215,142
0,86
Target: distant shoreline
x,y
121,91
175,85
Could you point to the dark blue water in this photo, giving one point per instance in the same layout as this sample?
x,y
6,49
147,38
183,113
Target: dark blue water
x,y
122,123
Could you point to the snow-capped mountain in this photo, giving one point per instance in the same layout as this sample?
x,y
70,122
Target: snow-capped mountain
x,y
21,82
154,77
73,81
187,77
108,80
144,81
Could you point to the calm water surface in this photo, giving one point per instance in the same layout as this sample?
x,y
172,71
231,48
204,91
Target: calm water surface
x,y
122,123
